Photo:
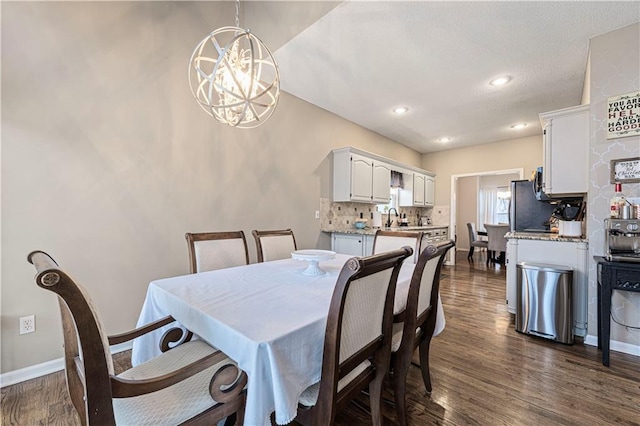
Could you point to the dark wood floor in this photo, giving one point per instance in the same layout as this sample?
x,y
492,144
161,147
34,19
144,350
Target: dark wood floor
x,y
483,372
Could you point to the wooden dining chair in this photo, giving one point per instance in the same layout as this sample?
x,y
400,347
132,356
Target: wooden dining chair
x,y
414,327
274,245
209,251
393,240
191,383
357,340
474,241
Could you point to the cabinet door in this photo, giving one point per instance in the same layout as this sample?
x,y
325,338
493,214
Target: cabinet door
x,y
429,191
352,245
381,183
512,274
418,189
566,150
361,178
368,245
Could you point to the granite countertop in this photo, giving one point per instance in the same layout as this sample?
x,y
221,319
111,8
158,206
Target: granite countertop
x,y
544,237
372,231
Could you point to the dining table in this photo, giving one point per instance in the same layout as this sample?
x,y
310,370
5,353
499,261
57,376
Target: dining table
x,y
268,317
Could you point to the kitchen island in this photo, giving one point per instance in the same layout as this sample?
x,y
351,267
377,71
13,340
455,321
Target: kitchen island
x,y
551,249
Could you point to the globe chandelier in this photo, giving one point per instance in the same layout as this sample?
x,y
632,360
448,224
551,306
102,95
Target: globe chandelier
x,y
234,77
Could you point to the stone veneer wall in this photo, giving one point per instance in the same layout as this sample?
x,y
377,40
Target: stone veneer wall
x,y
341,215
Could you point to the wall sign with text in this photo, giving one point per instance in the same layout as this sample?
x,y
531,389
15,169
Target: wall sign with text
x,y
625,170
624,115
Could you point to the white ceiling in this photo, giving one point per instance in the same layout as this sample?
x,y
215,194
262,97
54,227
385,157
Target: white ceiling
x,y
364,58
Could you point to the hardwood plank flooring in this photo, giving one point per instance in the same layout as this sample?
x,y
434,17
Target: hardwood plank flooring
x,y
483,372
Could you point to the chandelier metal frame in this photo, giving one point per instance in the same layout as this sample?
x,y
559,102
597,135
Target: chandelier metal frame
x,y
234,77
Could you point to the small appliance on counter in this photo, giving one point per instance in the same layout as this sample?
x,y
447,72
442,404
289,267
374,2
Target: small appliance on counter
x,y
570,228
425,220
569,215
376,219
622,240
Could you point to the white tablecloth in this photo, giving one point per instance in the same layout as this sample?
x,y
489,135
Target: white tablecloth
x,y
268,317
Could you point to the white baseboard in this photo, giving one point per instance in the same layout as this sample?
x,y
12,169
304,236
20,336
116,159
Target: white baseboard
x,y
614,345
48,367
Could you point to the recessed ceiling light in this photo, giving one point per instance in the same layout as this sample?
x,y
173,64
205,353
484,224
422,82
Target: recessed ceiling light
x,y
500,80
519,126
400,110
444,139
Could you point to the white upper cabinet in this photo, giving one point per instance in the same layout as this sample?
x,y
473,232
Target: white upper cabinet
x,y
381,182
361,179
429,191
565,151
357,177
418,191
364,177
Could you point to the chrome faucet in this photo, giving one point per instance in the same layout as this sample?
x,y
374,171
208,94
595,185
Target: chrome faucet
x,y
389,216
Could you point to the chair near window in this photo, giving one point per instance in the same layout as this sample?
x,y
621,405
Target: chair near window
x,y
393,240
191,383
497,243
474,241
274,245
209,251
414,327
357,340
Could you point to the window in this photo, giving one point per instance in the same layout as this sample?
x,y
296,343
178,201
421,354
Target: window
x,y
493,205
393,201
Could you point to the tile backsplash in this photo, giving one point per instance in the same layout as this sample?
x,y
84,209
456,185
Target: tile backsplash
x,y
341,215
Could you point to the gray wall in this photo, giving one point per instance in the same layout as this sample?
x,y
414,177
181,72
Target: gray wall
x,y
517,153
107,160
615,70
467,209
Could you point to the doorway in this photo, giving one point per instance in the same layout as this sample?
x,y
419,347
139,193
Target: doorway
x,y
463,208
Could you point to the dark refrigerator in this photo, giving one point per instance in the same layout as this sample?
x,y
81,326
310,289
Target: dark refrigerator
x,y
526,213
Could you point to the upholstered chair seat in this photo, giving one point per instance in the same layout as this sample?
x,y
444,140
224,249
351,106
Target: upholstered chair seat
x,y
177,403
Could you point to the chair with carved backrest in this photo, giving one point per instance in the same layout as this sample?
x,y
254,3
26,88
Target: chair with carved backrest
x,y
393,240
357,339
415,326
274,245
216,250
192,383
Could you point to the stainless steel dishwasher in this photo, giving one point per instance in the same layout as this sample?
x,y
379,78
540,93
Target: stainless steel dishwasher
x,y
544,301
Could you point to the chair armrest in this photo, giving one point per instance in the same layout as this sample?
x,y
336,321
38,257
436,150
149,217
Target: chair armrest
x,y
130,335
125,388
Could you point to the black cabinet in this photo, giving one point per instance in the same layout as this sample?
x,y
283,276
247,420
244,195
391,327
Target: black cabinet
x,y
623,276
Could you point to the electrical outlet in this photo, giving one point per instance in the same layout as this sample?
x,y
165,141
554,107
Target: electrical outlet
x,y
317,214
27,324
